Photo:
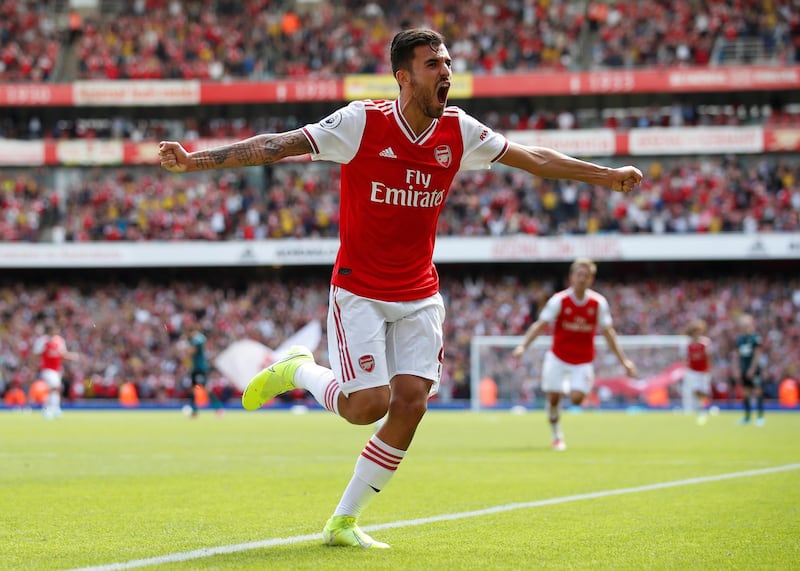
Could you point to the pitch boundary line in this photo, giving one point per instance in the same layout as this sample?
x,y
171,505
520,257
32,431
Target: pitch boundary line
x,y
225,549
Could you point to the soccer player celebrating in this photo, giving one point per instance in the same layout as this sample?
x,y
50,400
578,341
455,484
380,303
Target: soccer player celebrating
x,y
696,389
398,159
748,351
575,313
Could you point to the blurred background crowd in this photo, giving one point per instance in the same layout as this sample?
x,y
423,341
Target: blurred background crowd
x,y
130,325
262,39
679,195
134,329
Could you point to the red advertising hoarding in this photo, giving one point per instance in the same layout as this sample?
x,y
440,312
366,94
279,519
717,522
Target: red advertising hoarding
x,y
586,142
127,93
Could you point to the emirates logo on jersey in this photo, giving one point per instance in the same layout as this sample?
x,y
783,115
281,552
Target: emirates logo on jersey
x,y
367,362
443,154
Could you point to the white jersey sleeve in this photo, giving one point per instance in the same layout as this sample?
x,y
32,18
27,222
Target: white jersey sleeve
x,y
604,320
337,137
38,344
551,309
482,146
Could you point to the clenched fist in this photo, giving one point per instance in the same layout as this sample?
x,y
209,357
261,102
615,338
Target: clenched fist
x,y
625,178
173,156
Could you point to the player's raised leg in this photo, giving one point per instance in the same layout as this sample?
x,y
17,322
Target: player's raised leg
x,y
275,379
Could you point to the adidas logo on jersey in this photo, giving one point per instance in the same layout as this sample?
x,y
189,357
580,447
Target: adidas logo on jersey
x,y
388,152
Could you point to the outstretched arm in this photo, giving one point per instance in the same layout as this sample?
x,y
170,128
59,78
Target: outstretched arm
x,y
611,338
258,150
548,163
532,333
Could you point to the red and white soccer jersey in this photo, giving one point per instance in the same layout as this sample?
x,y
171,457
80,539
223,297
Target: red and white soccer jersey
x,y
53,353
394,184
698,355
698,367
575,322
52,360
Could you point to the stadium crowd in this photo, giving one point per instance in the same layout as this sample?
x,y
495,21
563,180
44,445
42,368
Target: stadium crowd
x,y
712,194
131,330
219,39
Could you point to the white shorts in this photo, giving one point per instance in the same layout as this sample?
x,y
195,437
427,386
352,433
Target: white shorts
x,y
52,378
371,341
561,377
697,381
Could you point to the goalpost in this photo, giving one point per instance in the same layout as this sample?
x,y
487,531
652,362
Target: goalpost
x,y
518,380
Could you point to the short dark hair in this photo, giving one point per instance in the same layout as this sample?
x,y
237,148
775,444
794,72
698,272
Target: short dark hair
x,y
404,43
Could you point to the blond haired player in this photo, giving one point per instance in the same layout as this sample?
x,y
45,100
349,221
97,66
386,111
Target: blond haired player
x,y
575,314
385,315
696,388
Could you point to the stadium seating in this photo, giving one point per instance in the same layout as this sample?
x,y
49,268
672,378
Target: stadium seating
x,y
162,40
714,194
129,331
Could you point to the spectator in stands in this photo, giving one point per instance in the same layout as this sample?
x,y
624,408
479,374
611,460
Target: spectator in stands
x,y
681,195
174,41
119,327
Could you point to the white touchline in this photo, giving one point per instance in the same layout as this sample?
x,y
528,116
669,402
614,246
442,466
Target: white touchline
x,y
210,551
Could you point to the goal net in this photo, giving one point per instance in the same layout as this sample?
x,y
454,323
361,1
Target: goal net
x,y
518,381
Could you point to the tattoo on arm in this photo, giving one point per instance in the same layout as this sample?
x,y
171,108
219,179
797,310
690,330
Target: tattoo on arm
x,y
285,145
258,150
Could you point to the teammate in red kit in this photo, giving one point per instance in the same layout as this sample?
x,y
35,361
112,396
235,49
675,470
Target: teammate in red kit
x,y
52,351
576,314
697,379
398,159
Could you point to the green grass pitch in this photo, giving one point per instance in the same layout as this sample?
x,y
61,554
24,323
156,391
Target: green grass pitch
x,y
157,490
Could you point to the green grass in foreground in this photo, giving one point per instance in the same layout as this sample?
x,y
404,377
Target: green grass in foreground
x,y
97,488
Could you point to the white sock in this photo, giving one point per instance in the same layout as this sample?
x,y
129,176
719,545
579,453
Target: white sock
x,y
374,468
54,401
686,401
321,383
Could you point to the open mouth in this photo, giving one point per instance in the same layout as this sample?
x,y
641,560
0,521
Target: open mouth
x,y
441,93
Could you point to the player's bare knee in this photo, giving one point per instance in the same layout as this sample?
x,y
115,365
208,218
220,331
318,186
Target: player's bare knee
x,y
364,407
411,409
367,414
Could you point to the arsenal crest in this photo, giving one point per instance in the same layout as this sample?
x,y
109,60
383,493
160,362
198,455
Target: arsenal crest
x,y
444,155
367,362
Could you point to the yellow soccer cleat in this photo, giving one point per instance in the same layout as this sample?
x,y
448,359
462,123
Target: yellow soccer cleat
x,y
341,530
275,379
